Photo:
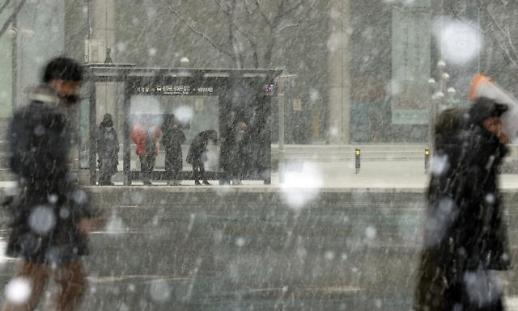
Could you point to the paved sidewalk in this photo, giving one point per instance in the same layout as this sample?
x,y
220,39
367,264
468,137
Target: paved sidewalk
x,y
383,174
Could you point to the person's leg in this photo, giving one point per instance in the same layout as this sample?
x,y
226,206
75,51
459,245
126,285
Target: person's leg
x,y
176,167
71,279
144,169
196,172
152,159
202,174
36,274
115,169
169,168
241,166
142,159
111,169
235,171
100,167
104,177
176,176
151,166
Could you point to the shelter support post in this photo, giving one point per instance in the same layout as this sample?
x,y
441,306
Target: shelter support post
x,y
92,155
126,147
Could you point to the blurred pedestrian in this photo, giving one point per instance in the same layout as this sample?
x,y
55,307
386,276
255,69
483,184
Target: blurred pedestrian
x,y
146,136
50,215
107,150
172,140
197,155
465,239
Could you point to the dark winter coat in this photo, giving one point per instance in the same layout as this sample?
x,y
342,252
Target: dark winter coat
x,y
172,140
240,139
198,146
107,146
235,148
240,151
464,227
48,206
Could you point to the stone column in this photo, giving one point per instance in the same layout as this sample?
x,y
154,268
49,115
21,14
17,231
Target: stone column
x,y
102,37
76,28
101,19
39,37
339,106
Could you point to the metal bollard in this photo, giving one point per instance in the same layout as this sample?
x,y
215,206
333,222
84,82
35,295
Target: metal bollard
x,y
357,158
426,160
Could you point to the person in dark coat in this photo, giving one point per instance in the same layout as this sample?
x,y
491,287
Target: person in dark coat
x,y
50,216
235,149
172,140
197,154
239,154
465,238
107,150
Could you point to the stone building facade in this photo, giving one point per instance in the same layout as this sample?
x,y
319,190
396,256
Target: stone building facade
x,y
362,67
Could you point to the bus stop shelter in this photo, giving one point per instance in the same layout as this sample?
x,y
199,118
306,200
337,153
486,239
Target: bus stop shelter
x,y
246,92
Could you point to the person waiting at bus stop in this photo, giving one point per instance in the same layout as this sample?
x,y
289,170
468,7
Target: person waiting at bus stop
x,y
107,150
146,135
240,143
197,155
172,140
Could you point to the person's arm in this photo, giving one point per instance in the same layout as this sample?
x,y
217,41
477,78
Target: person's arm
x,y
98,140
473,173
134,136
116,141
17,138
474,179
87,225
86,217
166,138
158,134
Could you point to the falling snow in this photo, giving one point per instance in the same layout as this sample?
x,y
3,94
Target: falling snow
x,y
42,219
18,290
327,187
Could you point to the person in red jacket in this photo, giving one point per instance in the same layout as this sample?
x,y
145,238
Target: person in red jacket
x,y
146,136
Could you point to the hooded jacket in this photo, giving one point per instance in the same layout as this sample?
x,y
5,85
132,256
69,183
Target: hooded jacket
x,y
107,140
464,226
